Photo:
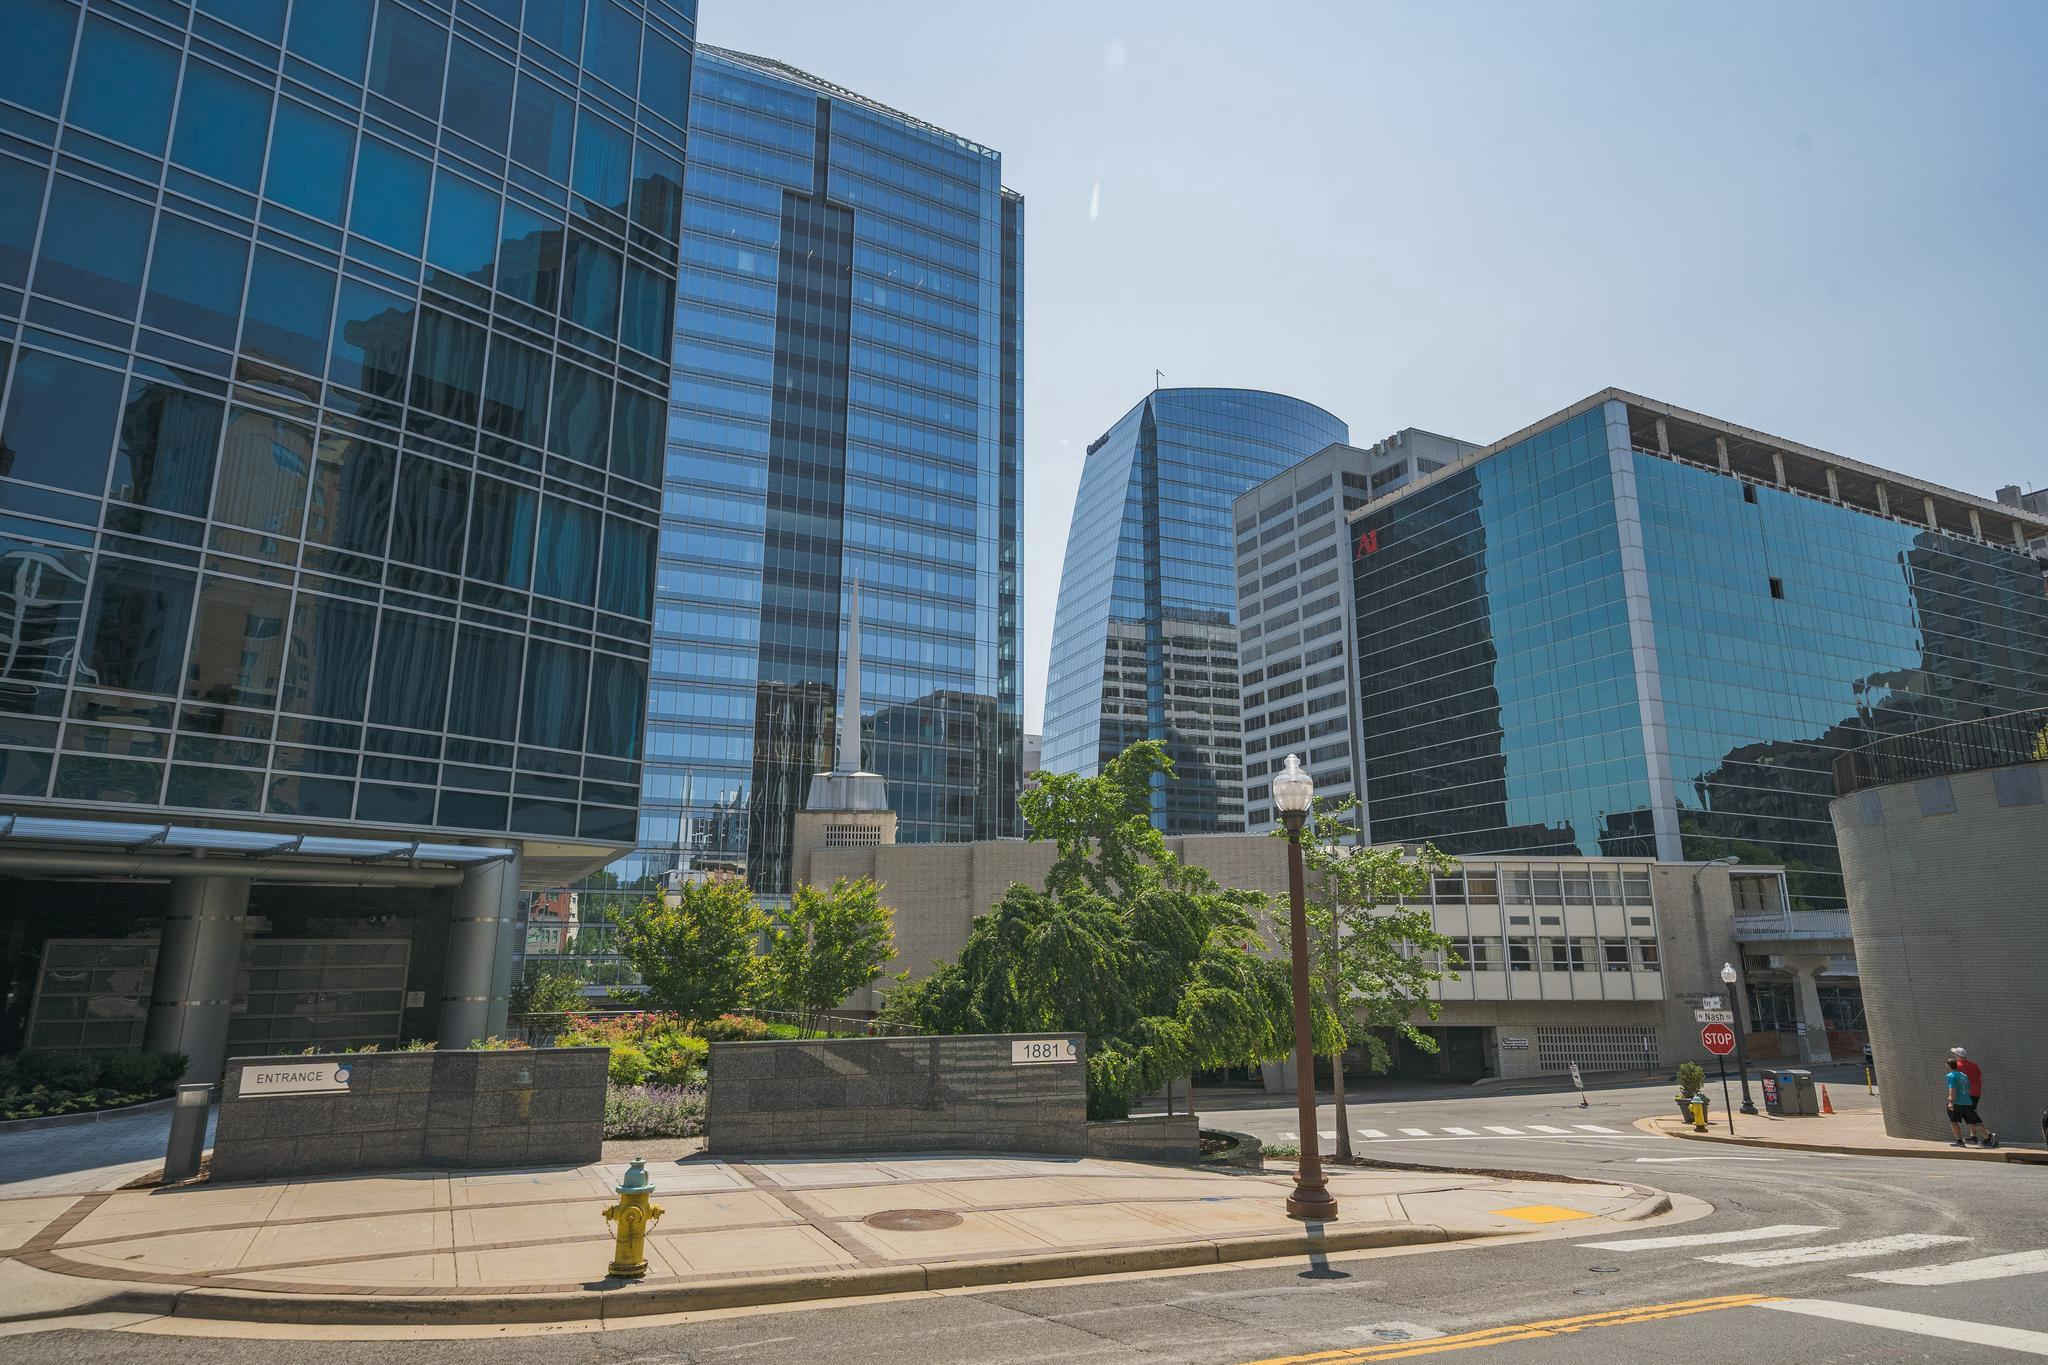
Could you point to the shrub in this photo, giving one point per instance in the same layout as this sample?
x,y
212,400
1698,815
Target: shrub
x,y
653,1111
57,1071
495,1044
155,1073
417,1045
1691,1078
732,1028
677,1059
628,1065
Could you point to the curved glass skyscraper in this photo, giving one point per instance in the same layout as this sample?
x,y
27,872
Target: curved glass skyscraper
x,y
1144,637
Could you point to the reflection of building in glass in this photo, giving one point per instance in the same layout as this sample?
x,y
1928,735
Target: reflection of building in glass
x,y
1632,630
1294,608
846,394
1144,641
331,477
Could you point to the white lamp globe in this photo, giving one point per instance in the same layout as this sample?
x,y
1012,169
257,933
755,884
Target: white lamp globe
x,y
1293,789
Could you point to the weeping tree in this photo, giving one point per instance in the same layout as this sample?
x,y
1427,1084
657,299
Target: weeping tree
x,y
1160,966
1372,955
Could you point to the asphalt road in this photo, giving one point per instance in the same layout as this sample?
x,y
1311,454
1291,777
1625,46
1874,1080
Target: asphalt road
x,y
1799,1239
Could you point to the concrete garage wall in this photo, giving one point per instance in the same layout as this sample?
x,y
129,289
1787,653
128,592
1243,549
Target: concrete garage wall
x,y
841,1095
418,1110
1947,882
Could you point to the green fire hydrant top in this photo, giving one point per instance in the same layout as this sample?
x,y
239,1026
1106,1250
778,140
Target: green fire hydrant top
x,y
636,1178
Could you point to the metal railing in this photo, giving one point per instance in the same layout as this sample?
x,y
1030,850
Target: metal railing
x,y
1988,742
541,1029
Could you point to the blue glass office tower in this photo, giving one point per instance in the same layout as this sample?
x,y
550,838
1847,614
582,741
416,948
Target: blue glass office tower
x,y
1144,637
846,405
1632,630
335,339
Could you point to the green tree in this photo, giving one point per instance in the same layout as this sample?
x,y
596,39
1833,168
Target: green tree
x,y
695,949
551,990
1148,956
826,946
1373,956
2041,745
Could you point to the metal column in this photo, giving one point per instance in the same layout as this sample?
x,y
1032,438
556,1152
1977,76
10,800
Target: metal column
x,y
474,991
196,962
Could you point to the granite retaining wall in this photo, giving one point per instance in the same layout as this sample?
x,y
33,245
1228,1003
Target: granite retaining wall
x,y
417,1110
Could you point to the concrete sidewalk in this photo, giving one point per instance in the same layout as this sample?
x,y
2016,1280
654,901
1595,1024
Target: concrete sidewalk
x,y
1852,1132
531,1245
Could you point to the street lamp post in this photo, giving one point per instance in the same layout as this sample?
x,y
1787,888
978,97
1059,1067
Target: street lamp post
x,y
1293,792
1728,976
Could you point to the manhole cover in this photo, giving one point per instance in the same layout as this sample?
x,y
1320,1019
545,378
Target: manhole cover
x,y
913,1220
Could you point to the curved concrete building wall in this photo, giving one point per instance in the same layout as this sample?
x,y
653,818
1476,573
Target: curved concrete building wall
x,y
1947,882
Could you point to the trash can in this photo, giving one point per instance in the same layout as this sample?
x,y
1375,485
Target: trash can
x,y
1797,1093
1774,1098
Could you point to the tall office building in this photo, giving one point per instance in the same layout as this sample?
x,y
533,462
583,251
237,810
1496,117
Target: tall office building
x,y
1144,637
847,406
1633,630
336,344
1294,609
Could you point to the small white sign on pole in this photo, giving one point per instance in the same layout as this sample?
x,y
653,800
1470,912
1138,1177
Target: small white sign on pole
x,y
1710,1002
1043,1051
1713,1016
1577,1080
308,1078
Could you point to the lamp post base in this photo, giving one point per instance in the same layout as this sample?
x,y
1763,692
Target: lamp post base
x,y
1311,1202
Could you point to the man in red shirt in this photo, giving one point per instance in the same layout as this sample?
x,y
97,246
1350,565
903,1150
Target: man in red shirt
x,y
1976,1075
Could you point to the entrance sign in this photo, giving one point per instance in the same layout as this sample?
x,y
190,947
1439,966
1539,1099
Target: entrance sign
x,y
1043,1051
1718,1039
310,1078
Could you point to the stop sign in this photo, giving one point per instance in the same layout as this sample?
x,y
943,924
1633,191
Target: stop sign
x,y
1719,1039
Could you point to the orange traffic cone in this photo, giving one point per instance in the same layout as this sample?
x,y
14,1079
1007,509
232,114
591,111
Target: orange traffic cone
x,y
1827,1106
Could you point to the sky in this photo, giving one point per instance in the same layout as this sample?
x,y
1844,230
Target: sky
x,y
1826,221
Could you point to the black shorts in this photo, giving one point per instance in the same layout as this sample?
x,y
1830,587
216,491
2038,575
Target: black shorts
x,y
1964,1113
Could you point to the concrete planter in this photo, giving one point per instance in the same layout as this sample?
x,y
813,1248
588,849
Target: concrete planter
x,y
418,1110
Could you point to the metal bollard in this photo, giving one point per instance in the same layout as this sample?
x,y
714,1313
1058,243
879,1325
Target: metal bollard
x,y
635,1212
188,1132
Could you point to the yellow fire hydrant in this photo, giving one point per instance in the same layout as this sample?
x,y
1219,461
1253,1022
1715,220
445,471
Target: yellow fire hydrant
x,y
630,1218
1698,1105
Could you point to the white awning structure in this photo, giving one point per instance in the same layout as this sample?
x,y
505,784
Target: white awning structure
x,y
52,845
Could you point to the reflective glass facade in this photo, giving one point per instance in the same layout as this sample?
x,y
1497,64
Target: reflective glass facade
x,y
845,405
1144,640
1582,645
335,338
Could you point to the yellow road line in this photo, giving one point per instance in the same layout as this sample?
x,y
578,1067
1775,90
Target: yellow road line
x,y
1525,1331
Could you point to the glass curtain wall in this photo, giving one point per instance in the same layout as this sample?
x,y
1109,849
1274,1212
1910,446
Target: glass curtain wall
x,y
1501,680
1145,631
334,340
846,405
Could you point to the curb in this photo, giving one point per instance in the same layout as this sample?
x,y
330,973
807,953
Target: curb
x,y
2009,1155
155,1302
621,1301
1649,1207
87,1116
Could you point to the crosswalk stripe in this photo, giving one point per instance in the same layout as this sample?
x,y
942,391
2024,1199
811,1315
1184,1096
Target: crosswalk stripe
x,y
1327,1137
1838,1251
1701,1239
1290,1137
1962,1272
1546,1128
1503,1129
1921,1324
1594,1128
1416,1132
1371,1133
1462,1132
